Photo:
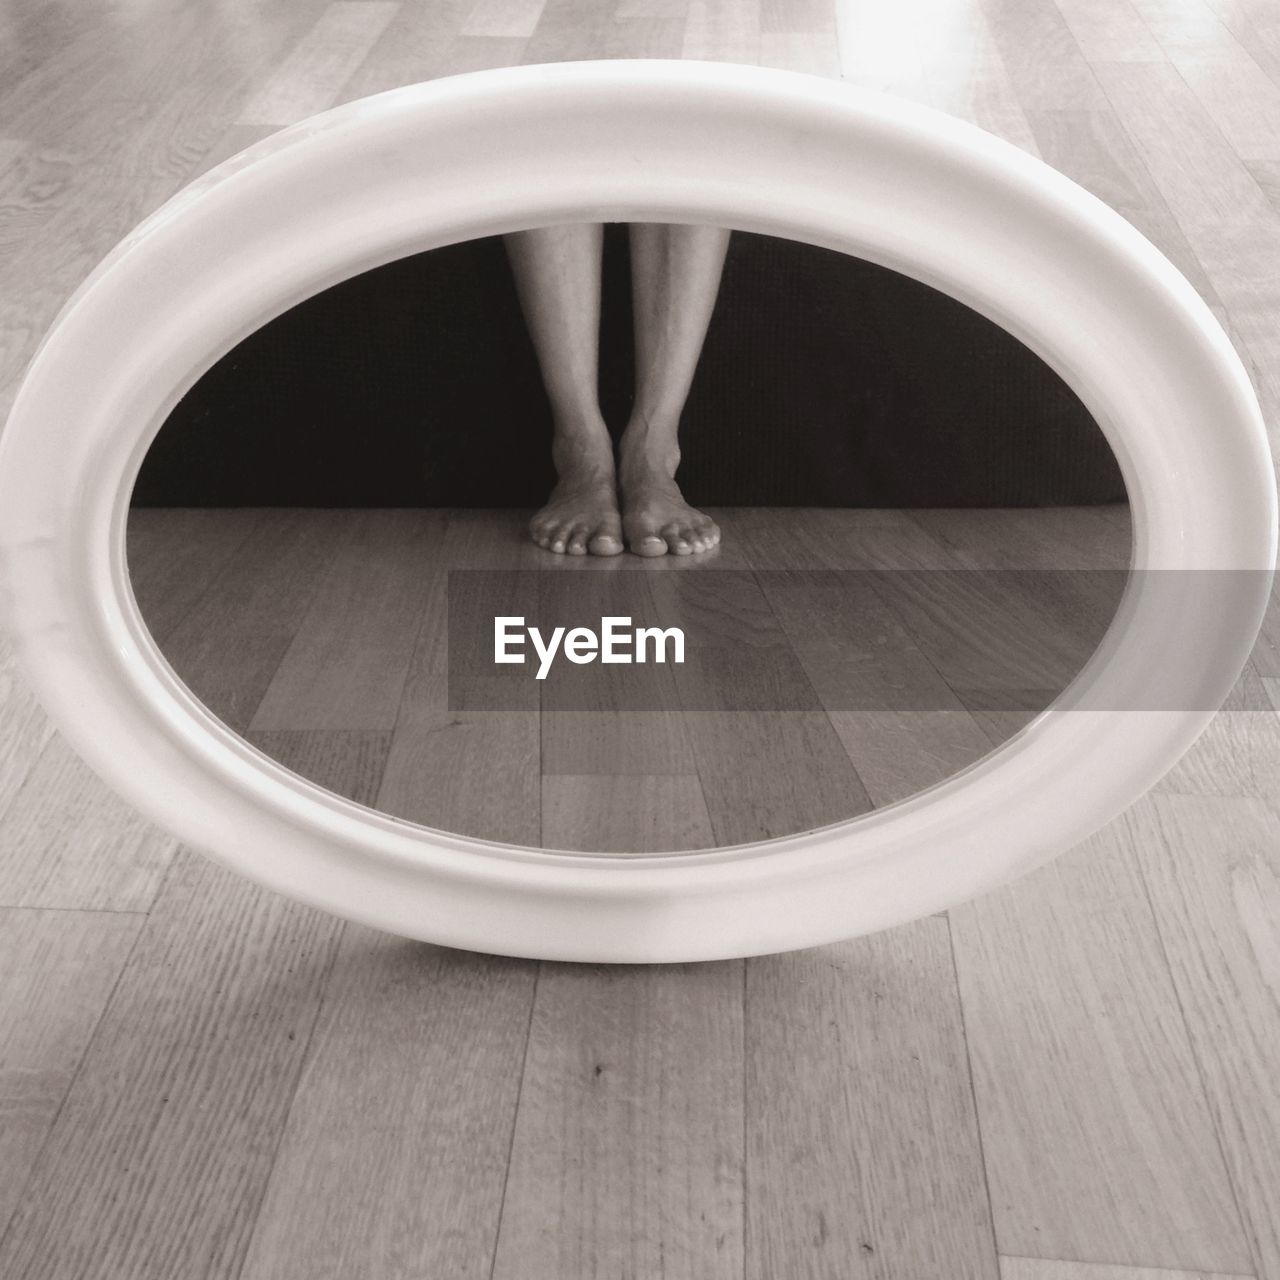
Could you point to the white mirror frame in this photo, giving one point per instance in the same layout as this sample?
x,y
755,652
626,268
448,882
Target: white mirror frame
x,y
757,150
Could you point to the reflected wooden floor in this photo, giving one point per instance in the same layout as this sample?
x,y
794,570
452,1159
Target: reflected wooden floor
x,y
812,693
1071,1079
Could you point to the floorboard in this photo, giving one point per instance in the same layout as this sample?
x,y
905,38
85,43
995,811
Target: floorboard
x,y
395,1154
628,814
1098,1137
347,663
863,1151
1213,869
628,1156
156,1164
57,972
228,647
312,77
1040,1269
71,843
25,730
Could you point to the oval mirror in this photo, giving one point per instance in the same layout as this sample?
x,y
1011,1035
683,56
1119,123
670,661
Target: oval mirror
x,y
267,551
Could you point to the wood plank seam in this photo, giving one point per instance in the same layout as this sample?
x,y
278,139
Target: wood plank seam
x,y
1242,1221
973,1090
304,1059
515,1117
75,1075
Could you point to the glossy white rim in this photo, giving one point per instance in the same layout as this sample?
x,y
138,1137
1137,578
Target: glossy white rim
x,y
757,150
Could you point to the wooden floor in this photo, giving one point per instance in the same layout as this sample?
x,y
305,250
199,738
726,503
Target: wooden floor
x,y
838,660
1072,1079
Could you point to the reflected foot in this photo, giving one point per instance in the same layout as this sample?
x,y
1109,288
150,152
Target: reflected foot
x,y
581,516
656,518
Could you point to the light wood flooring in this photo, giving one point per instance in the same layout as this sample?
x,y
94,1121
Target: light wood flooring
x,y
1075,1078
837,660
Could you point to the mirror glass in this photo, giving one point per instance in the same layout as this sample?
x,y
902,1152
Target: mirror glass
x,y
893,537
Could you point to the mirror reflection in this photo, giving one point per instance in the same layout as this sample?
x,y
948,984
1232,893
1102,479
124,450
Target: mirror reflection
x,y
628,538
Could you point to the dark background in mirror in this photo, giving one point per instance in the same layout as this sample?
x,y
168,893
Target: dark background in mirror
x,y
825,381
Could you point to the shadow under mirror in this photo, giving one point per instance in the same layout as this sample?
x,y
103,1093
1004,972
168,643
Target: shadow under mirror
x,y
914,535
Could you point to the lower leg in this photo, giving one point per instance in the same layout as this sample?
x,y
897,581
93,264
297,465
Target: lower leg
x,y
675,278
557,274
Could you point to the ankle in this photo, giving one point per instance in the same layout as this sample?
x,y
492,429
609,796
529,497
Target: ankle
x,y
642,456
585,456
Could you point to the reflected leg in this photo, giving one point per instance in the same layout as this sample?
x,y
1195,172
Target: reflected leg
x,y
557,273
675,274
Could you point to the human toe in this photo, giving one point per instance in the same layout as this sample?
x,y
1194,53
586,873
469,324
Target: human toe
x,y
605,542
649,543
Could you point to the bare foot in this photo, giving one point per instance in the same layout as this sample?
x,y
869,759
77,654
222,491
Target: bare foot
x,y
656,518
581,516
